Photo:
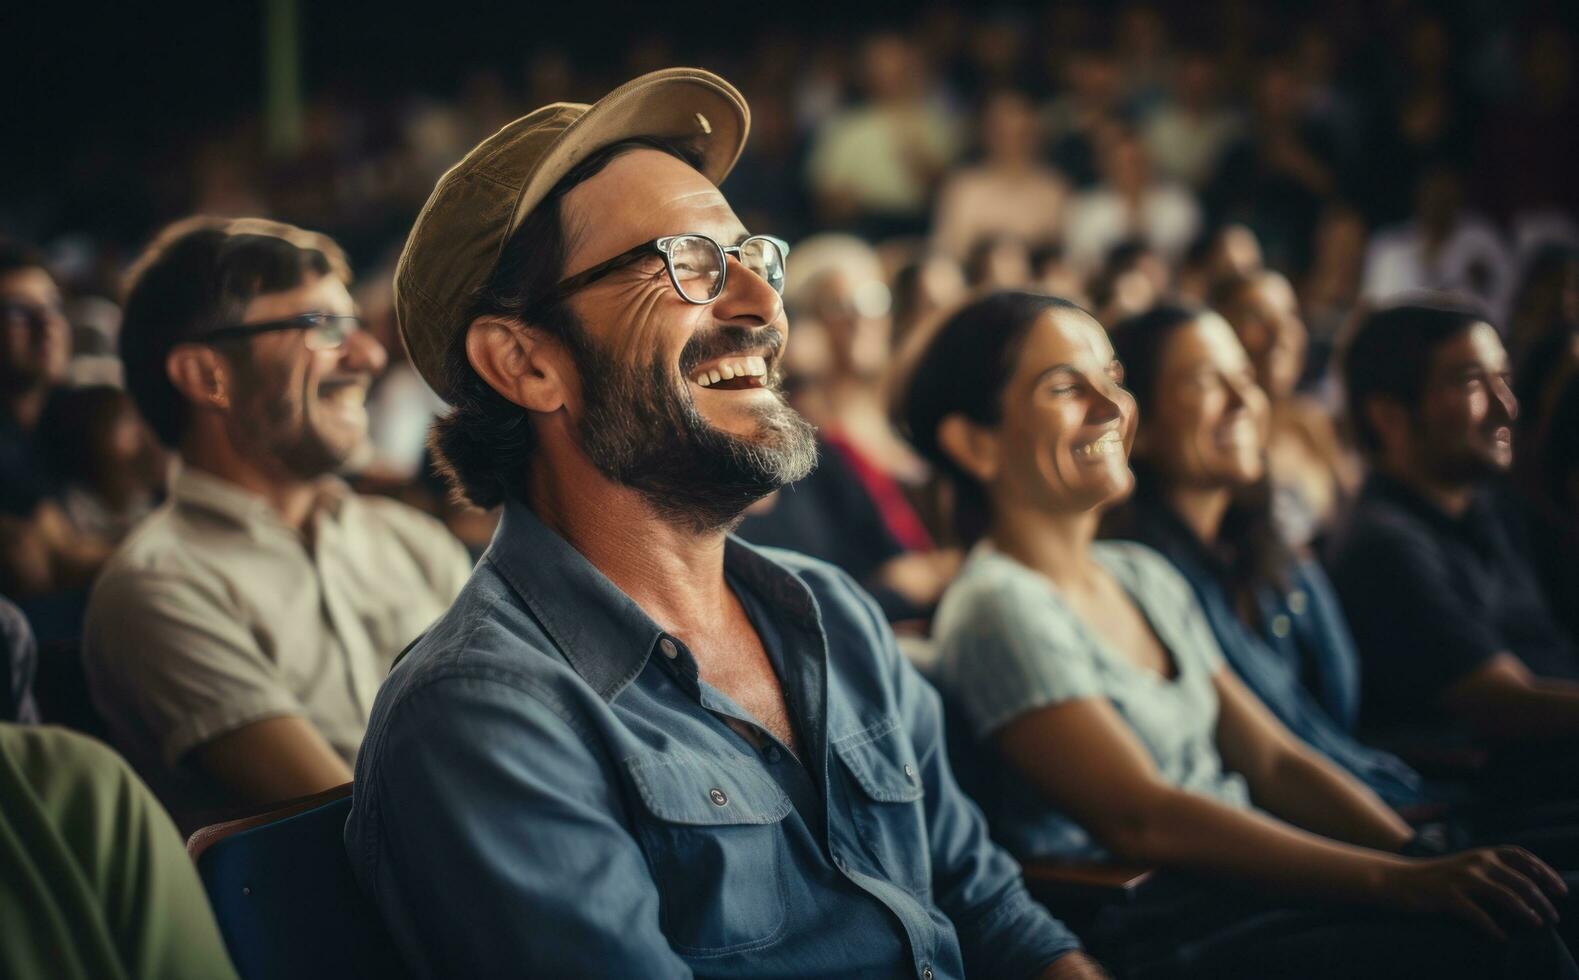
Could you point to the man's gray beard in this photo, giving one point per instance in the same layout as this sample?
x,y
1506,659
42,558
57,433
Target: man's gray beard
x,y
639,431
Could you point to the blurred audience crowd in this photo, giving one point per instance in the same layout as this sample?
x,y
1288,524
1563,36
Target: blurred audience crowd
x,y
1242,202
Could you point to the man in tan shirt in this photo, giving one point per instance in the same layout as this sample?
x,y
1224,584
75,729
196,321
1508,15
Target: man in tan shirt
x,y
235,641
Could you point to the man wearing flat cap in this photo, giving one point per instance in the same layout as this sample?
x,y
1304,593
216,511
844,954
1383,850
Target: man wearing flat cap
x,y
636,746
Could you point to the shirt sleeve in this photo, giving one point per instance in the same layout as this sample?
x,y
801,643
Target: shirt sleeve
x,y
478,810
1009,647
100,867
173,655
1003,932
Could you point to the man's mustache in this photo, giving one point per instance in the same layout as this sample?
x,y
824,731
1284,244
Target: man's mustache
x,y
723,341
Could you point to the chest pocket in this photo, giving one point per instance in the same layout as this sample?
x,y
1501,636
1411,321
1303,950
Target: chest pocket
x,y
711,832
886,807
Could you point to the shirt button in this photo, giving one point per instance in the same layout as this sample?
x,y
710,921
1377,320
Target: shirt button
x,y
1298,602
1280,625
669,649
910,773
926,973
717,796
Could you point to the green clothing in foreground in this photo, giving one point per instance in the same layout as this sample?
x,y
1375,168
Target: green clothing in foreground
x,y
94,880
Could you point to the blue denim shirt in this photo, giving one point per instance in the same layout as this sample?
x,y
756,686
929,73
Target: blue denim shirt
x,y
1301,663
547,788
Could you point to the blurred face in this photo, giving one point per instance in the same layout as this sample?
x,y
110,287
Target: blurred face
x,y
807,369
35,346
1464,423
1210,426
1067,422
1236,253
1265,315
855,309
942,284
1007,265
1009,128
700,452
305,408
1197,82
1124,164
891,68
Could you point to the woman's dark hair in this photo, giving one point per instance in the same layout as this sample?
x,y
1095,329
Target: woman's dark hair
x,y
484,445
963,370
199,274
1389,355
1249,550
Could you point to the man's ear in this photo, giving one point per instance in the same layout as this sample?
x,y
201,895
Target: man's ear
x,y
520,362
1389,419
975,448
200,374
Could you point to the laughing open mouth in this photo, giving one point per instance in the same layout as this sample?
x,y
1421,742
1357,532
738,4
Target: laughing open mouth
x,y
1107,444
733,373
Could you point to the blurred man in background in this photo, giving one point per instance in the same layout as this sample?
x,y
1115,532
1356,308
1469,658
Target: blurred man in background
x,y
1434,567
235,641
40,551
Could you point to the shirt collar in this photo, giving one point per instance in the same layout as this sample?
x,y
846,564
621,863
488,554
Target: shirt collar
x,y
198,488
1381,486
603,634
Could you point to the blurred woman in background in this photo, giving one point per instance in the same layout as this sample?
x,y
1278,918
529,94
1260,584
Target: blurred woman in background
x,y
1089,671
1311,472
1205,505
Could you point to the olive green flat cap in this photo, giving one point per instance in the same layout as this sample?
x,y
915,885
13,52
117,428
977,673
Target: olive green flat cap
x,y
481,201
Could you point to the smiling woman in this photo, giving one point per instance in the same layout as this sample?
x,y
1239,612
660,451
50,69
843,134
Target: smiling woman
x,y
963,380
1109,723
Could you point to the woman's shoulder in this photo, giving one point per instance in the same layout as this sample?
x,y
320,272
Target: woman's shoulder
x,y
1133,558
1143,570
996,596
993,581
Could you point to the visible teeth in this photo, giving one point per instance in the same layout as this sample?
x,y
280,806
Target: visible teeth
x,y
744,367
351,394
1105,446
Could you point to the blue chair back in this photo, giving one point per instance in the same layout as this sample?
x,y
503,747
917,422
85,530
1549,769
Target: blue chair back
x,y
288,905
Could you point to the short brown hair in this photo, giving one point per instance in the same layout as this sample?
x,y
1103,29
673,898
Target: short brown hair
x,y
199,274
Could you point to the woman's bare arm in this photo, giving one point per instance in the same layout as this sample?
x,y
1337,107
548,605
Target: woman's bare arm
x,y
1289,779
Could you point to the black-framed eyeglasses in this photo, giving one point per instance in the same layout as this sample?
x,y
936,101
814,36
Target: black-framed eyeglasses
x,y
698,266
321,331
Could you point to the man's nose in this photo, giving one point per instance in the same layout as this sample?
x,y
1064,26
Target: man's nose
x,y
362,352
747,298
1504,402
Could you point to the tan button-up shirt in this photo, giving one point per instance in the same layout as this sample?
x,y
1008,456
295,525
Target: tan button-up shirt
x,y
214,614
